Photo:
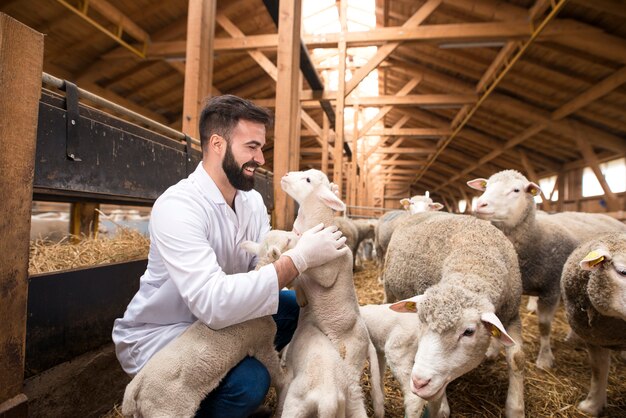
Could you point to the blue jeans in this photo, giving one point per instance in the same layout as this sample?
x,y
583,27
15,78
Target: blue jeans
x,y
245,386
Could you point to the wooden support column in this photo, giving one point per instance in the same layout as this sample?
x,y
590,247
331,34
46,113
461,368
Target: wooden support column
x,y
325,140
532,176
612,202
21,64
84,219
286,143
198,62
355,159
560,184
341,100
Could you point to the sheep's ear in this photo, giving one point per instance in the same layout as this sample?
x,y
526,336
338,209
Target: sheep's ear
x,y
594,259
478,184
495,327
435,206
251,247
407,305
330,199
405,203
533,189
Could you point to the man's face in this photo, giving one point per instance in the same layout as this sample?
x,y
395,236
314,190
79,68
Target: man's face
x,y
244,154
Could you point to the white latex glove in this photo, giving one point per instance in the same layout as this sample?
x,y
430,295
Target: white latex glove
x,y
317,246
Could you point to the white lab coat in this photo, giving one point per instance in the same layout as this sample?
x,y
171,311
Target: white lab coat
x,y
196,269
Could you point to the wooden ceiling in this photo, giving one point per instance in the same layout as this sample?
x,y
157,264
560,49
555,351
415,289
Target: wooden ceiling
x,y
561,105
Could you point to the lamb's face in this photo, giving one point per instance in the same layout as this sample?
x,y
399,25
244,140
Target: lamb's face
x,y
419,204
299,184
506,198
607,280
452,340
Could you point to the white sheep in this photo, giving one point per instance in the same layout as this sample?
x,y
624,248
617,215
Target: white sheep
x,y
594,294
419,203
467,277
395,338
178,377
542,244
332,305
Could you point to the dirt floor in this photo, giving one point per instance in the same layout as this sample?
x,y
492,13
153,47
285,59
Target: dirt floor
x,y
482,392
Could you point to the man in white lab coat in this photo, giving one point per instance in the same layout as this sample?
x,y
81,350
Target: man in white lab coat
x,y
196,269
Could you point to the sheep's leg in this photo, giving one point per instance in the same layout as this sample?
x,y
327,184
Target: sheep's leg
x,y
389,296
532,304
599,359
296,404
515,361
377,389
401,365
545,313
355,406
439,408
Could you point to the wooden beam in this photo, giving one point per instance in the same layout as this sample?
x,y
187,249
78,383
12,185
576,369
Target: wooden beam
x,y
325,142
340,102
590,157
384,51
286,141
199,62
411,132
405,151
21,64
118,18
449,100
414,163
532,176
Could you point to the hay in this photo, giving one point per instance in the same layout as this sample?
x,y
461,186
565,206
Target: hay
x,y
482,392
127,244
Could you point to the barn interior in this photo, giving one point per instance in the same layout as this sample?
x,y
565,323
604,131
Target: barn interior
x,y
389,98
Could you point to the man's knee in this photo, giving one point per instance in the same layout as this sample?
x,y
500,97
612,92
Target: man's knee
x,y
254,381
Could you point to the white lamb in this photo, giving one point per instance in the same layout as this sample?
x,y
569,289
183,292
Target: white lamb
x,y
594,293
332,305
419,204
184,372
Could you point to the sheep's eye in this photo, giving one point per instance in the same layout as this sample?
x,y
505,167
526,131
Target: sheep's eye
x,y
308,180
468,332
516,190
621,272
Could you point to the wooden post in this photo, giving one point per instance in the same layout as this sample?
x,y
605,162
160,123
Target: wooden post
x,y
341,101
532,176
198,62
84,219
560,183
286,144
325,139
354,166
21,64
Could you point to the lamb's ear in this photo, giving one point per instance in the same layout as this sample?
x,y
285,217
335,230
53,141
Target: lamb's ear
x,y
274,252
533,189
405,203
330,199
496,328
478,184
594,259
435,206
251,247
407,305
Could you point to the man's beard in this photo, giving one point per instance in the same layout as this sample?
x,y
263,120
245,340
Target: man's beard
x,y
234,173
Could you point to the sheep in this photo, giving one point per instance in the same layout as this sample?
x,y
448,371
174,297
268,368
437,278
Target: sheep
x,y
466,274
332,305
542,244
593,286
418,204
395,338
349,230
178,377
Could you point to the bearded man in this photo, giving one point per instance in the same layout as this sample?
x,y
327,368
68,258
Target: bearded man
x,y
196,269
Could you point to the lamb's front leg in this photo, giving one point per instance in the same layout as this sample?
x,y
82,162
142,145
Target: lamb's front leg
x,y
599,359
401,363
515,361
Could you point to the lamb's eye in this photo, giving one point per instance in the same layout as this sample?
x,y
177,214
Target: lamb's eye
x,y
516,190
308,180
621,272
469,332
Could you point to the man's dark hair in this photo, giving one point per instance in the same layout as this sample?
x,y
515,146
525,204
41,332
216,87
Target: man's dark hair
x,y
222,113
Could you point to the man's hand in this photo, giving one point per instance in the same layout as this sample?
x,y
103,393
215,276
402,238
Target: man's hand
x,y
317,246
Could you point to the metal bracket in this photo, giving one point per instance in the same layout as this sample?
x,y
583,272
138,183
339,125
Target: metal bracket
x,y
72,119
188,149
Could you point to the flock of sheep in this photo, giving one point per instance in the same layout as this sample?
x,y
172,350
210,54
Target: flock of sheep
x,y
453,286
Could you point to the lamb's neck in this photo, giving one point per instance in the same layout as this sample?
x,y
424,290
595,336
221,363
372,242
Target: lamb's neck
x,y
312,212
523,234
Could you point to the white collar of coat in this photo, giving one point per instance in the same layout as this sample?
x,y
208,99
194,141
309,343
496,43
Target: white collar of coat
x,y
209,188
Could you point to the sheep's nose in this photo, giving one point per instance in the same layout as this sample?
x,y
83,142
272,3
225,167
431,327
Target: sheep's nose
x,y
482,204
420,383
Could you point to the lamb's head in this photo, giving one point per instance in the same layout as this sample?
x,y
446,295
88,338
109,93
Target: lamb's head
x,y
507,199
301,184
271,248
454,332
606,266
419,203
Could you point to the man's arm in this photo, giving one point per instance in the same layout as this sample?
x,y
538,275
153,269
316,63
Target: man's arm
x,y
285,270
